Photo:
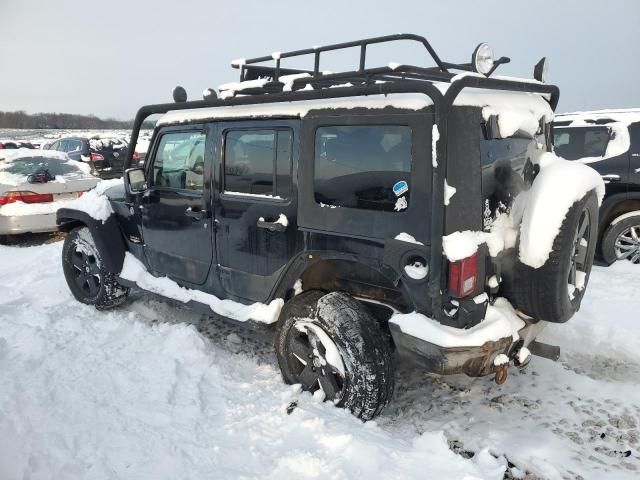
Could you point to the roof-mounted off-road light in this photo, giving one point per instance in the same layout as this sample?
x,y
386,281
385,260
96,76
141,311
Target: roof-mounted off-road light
x,y
540,70
482,59
179,94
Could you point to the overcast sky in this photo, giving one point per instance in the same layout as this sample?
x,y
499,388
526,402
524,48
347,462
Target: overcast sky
x,y
109,57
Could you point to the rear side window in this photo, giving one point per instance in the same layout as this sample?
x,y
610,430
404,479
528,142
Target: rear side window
x,y
577,142
179,161
363,166
258,162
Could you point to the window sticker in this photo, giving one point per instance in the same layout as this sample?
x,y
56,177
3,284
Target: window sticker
x,y
401,204
400,188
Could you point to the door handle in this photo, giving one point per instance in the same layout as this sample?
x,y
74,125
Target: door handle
x,y
271,226
610,178
195,214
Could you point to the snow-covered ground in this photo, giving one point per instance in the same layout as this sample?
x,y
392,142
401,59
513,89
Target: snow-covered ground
x,y
154,391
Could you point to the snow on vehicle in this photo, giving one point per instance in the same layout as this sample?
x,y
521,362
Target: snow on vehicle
x,y
354,214
609,142
34,184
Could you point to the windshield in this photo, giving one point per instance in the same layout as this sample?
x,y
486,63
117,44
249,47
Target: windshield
x,y
573,143
29,165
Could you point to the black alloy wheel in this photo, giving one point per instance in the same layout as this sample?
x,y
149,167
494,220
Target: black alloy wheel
x,y
309,352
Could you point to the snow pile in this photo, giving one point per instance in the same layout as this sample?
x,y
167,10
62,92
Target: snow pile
x,y
134,271
502,235
500,321
7,157
405,237
230,89
449,192
416,270
435,137
406,101
127,395
289,79
557,187
94,202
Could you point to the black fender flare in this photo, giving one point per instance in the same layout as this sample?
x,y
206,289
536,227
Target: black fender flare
x,y
307,259
107,235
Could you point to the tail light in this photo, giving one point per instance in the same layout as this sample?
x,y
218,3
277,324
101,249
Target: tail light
x,y
79,194
25,197
136,156
1,146
96,157
463,276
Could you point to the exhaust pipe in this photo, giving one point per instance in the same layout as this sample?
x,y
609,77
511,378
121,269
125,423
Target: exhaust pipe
x,y
552,352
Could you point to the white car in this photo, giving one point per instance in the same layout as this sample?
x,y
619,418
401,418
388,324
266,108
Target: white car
x,y
34,184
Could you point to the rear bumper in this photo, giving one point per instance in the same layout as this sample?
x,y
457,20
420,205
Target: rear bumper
x,y
45,222
474,361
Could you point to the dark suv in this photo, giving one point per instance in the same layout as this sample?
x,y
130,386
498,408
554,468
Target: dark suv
x,y
354,215
105,155
609,141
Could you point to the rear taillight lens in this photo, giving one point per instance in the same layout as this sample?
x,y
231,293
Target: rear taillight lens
x,y
136,156
463,276
25,197
96,157
79,194
1,146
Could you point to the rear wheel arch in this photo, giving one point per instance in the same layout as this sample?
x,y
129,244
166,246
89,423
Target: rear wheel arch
x,y
340,272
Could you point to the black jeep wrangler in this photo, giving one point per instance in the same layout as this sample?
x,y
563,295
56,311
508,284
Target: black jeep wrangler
x,y
355,215
609,142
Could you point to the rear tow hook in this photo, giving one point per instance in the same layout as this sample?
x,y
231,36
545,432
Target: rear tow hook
x,y
501,373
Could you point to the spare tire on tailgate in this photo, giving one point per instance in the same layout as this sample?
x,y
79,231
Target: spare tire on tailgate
x,y
554,291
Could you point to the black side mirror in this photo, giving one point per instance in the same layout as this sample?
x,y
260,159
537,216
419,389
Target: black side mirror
x,y
134,181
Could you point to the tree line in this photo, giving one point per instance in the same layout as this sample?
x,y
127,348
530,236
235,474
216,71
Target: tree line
x,y
22,119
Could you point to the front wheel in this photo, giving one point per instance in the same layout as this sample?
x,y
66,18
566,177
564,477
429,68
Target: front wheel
x,y
330,345
86,276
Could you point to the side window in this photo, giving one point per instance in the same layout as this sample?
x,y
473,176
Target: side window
x,y
258,162
179,161
364,166
74,146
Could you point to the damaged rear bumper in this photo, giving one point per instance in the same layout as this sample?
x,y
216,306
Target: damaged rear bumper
x,y
474,361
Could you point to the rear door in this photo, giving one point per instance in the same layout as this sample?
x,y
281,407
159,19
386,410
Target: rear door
x,y
176,219
256,208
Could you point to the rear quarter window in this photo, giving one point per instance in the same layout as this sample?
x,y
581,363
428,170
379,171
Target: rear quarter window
x,y
363,167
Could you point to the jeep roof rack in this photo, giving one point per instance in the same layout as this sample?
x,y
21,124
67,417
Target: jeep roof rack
x,y
249,70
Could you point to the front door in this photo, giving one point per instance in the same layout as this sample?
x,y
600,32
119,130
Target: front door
x,y
176,218
256,209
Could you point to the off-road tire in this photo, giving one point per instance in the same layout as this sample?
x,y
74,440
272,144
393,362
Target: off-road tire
x,y
108,293
542,293
361,342
611,234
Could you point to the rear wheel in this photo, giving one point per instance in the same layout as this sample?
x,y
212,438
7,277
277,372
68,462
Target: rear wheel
x,y
85,274
332,347
554,291
621,240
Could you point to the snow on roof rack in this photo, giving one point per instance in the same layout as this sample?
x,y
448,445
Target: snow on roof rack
x,y
315,78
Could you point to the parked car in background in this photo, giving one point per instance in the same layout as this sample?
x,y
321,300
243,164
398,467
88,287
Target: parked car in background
x,y
12,145
34,184
609,141
105,155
